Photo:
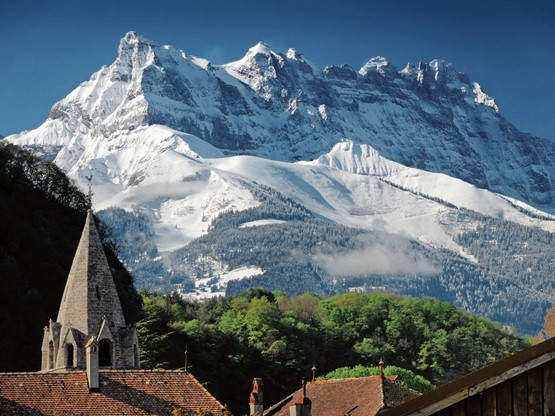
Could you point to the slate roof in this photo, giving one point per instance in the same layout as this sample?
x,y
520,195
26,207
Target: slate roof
x,y
363,396
121,392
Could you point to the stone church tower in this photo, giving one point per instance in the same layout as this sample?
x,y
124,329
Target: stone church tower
x,y
90,310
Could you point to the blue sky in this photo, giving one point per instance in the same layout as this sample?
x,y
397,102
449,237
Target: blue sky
x,y
50,47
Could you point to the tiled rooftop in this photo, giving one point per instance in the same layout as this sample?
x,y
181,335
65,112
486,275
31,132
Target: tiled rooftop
x,y
121,392
362,396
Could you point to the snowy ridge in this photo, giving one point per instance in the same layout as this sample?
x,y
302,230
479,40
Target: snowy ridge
x,y
364,160
380,149
351,185
283,107
361,159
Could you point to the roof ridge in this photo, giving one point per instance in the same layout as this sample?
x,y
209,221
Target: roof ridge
x,y
336,380
141,370
102,370
194,379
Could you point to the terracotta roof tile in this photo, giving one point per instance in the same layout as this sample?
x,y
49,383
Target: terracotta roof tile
x,y
121,392
363,396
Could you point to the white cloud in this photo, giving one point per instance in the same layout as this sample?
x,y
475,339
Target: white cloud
x,y
387,256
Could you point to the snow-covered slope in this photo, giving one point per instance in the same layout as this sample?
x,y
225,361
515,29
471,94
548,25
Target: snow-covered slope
x,y
281,106
400,152
351,185
354,186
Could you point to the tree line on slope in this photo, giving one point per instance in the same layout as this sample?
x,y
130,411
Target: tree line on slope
x,y
521,260
280,337
500,288
510,280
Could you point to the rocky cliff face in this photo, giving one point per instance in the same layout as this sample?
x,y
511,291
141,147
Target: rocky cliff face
x,y
281,106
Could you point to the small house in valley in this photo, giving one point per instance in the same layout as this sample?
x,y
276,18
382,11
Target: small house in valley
x,y
363,396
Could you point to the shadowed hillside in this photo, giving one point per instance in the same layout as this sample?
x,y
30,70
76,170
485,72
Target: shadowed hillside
x,y
41,218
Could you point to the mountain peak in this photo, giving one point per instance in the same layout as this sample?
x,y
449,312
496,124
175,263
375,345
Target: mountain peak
x,y
377,64
132,38
259,59
440,66
441,72
410,69
129,43
294,54
260,49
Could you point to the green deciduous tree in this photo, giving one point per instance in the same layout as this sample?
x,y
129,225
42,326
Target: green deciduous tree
x,y
279,338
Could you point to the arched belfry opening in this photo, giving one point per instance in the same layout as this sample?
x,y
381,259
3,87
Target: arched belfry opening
x,y
69,355
105,353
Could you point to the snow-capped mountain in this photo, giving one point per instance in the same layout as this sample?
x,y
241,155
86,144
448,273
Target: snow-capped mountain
x,y
400,152
281,106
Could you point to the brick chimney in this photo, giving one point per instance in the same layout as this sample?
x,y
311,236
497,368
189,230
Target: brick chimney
x,y
303,406
91,349
256,399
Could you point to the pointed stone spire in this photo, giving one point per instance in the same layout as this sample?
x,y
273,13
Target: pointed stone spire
x,y
90,293
90,309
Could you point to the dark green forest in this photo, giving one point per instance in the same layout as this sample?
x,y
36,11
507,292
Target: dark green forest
x,y
279,338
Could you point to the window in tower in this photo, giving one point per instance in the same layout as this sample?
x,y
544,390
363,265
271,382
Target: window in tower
x,y
69,355
105,353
